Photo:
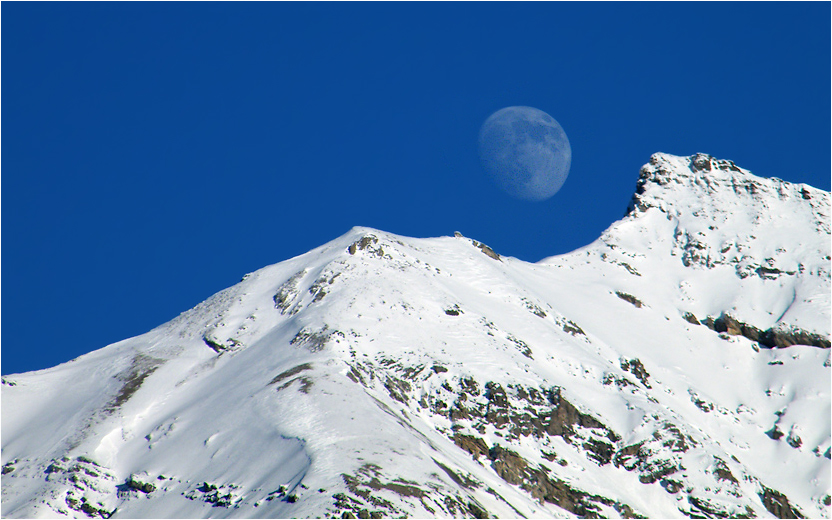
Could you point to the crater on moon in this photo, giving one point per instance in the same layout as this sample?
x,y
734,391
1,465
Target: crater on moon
x,y
525,152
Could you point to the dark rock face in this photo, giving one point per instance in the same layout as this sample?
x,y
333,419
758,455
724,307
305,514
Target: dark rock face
x,y
572,328
629,298
291,372
453,311
8,467
510,466
367,243
701,162
726,323
495,394
599,451
775,338
778,505
88,508
690,318
771,338
473,445
704,508
486,250
134,482
213,344
517,471
315,340
635,367
320,287
774,433
565,416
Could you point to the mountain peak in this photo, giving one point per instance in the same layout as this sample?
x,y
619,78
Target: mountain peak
x,y
700,221
677,366
719,182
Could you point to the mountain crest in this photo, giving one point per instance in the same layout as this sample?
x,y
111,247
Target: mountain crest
x,y
703,171
678,366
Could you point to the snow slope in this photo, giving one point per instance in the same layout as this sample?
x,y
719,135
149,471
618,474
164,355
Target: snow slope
x,y
677,366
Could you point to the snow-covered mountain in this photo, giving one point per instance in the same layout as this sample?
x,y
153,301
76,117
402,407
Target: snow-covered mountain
x,y
677,366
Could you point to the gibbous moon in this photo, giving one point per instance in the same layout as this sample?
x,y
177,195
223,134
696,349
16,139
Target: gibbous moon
x,y
525,152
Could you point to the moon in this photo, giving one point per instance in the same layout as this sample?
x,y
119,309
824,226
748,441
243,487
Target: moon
x,y
525,152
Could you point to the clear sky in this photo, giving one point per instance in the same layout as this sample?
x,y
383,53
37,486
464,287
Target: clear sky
x,y
154,153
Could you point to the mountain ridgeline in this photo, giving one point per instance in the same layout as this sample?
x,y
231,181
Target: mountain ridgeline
x,y
678,366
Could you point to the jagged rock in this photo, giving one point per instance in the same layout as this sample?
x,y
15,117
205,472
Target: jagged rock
x,y
772,338
564,416
367,243
473,445
722,472
778,504
671,486
495,394
629,298
140,482
635,367
517,471
783,338
572,328
398,389
794,441
315,340
690,318
476,511
599,451
726,323
775,433
91,510
701,162
486,250
218,346
287,293
655,471
291,372
510,466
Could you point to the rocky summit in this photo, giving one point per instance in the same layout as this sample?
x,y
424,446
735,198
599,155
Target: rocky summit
x,y
678,366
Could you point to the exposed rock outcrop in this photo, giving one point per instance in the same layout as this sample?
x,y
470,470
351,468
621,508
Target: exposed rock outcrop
x,y
774,337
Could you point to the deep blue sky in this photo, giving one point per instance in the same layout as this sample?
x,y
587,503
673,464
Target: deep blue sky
x,y
153,153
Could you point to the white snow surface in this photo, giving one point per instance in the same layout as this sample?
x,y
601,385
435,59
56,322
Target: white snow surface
x,y
336,383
